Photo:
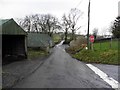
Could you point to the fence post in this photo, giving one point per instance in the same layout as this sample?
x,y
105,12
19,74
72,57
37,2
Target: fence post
x,y
92,45
111,43
100,45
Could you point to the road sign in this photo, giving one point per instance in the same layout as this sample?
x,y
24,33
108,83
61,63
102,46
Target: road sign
x,y
91,38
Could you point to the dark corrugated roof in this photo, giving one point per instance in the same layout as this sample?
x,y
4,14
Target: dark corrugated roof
x,y
2,21
10,27
39,40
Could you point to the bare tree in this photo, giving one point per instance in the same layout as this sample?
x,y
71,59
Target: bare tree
x,y
70,22
35,21
43,23
26,23
49,23
66,25
74,17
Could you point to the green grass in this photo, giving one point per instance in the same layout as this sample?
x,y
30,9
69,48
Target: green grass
x,y
104,53
32,54
106,45
56,38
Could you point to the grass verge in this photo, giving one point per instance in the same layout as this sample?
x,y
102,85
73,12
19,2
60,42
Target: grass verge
x,y
99,57
32,54
56,38
103,53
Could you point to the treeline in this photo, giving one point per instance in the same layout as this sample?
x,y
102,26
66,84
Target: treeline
x,y
42,23
47,23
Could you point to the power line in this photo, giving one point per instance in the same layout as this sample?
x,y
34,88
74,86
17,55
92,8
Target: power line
x,y
79,3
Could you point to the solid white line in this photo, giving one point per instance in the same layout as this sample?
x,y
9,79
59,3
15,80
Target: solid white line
x,y
113,83
63,50
59,47
60,43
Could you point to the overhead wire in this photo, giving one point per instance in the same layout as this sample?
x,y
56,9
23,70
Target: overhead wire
x,y
78,3
81,10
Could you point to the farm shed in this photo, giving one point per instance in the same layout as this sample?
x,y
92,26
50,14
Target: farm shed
x,y
38,40
13,41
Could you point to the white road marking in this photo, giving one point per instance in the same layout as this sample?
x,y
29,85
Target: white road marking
x,y
60,43
64,50
59,47
113,83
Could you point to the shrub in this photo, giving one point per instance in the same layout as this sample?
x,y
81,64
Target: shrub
x,y
77,45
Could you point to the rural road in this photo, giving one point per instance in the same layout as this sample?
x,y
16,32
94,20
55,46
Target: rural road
x,y
62,71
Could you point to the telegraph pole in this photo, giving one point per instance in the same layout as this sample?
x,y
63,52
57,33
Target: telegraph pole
x,y
88,42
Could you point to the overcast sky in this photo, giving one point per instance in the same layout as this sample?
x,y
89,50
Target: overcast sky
x,y
103,12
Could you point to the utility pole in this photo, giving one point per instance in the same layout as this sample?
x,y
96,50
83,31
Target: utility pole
x,y
88,42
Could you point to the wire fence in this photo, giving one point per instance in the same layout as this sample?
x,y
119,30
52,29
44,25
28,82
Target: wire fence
x,y
105,44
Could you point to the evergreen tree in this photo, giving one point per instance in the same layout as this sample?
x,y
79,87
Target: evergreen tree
x,y
116,28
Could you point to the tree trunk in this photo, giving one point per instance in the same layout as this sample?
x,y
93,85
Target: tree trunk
x,y
36,28
29,29
73,34
66,32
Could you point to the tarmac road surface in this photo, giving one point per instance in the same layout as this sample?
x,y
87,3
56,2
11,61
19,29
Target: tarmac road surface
x,y
60,70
